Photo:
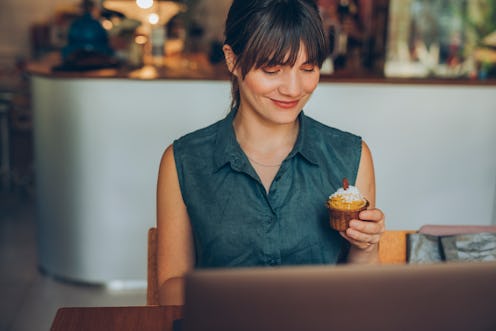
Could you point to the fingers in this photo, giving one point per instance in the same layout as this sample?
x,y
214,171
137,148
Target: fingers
x,y
363,237
372,215
366,227
371,221
364,245
367,231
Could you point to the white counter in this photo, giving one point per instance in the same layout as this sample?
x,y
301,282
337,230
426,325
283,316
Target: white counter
x,y
98,144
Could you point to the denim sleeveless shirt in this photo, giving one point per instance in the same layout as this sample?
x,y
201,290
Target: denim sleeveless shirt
x,y
236,223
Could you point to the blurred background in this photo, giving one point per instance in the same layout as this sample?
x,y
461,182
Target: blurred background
x,y
91,92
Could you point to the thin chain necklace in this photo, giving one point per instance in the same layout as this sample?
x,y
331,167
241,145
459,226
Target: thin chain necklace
x,y
264,164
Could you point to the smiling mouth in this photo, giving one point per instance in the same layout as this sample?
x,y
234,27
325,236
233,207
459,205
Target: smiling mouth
x,y
285,104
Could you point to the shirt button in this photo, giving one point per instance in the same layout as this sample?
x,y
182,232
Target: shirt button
x,y
271,219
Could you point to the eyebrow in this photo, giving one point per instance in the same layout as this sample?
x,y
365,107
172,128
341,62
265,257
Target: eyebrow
x,y
314,62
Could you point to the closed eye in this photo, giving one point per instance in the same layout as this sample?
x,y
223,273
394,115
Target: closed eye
x,y
271,70
308,68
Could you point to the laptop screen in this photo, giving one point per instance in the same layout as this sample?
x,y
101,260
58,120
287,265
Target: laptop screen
x,y
456,296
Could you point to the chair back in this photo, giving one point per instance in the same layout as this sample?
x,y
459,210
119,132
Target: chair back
x,y
393,246
152,292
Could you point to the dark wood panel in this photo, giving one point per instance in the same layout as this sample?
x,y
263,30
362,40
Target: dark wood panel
x,y
149,318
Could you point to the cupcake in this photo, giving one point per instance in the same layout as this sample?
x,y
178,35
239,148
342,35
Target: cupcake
x,y
344,205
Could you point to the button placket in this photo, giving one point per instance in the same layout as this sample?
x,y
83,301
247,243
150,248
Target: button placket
x,y
272,248
273,262
276,183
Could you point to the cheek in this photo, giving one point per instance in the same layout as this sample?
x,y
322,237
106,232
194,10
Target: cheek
x,y
310,83
259,85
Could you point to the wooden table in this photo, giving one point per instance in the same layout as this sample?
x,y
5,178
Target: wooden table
x,y
149,318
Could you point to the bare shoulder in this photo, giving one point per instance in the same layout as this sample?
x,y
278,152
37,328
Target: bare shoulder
x,y
366,176
167,157
167,169
167,182
366,153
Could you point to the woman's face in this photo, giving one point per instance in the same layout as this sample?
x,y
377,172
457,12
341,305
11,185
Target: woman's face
x,y
277,94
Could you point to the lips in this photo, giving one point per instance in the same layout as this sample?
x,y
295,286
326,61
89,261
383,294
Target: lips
x,y
285,104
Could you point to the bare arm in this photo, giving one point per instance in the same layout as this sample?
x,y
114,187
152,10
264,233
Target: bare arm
x,y
175,244
364,234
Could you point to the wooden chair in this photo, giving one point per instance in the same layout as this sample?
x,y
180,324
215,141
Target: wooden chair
x,y
393,246
392,250
152,273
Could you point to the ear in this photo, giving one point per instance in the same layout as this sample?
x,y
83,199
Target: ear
x,y
230,58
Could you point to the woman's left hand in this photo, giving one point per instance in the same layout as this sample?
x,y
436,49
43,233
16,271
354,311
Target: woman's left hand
x,y
366,232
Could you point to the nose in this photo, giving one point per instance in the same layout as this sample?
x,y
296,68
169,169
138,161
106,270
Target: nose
x,y
291,84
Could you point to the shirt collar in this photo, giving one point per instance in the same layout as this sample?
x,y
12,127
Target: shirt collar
x,y
227,149
306,141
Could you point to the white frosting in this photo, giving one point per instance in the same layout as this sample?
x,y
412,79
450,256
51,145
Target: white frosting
x,y
349,195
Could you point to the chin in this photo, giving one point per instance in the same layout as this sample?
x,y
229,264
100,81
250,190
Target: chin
x,y
285,116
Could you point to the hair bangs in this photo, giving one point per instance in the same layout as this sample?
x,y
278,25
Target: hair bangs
x,y
278,41
278,47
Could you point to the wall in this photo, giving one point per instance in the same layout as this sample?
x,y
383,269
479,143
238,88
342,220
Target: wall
x,y
433,147
15,19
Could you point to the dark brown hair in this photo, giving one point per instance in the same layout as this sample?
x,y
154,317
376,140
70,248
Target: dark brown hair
x,y
265,32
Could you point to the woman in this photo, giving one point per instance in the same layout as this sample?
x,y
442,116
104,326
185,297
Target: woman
x,y
250,190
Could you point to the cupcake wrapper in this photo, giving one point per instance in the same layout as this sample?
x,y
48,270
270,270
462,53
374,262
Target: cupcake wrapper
x,y
340,219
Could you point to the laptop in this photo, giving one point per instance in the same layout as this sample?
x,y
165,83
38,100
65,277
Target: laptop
x,y
449,296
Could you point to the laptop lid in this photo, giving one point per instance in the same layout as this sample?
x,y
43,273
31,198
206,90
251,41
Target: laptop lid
x,y
456,296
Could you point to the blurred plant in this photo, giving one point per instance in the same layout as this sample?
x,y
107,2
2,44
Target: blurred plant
x,y
481,21
481,18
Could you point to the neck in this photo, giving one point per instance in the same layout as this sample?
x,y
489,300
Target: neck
x,y
265,144
263,137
